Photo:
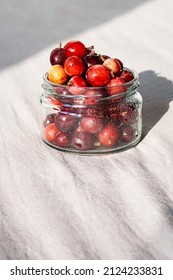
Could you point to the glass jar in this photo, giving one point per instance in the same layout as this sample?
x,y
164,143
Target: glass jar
x,y
91,120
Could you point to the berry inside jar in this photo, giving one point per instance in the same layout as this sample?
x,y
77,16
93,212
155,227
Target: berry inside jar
x,y
90,102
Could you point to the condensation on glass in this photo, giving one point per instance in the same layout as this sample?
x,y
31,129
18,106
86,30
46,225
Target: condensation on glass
x,y
91,120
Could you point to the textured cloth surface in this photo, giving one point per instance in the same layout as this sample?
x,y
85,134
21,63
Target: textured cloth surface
x,y
62,206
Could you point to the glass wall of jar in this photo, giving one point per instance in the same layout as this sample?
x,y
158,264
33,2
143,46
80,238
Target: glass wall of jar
x,y
91,120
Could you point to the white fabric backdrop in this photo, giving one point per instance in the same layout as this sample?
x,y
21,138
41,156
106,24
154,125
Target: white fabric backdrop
x,y
63,206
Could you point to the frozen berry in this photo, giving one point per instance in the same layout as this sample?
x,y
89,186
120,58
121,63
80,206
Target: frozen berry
x,y
66,122
127,76
74,66
91,124
50,132
82,141
57,56
49,119
127,133
57,75
62,139
116,86
113,65
98,75
92,59
76,83
75,48
108,136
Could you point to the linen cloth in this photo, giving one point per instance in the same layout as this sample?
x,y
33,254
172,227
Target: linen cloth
x,y
55,205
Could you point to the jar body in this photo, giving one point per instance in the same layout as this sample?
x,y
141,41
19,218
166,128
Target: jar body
x,y
87,121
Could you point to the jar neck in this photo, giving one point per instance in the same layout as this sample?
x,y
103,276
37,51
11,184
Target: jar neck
x,y
102,93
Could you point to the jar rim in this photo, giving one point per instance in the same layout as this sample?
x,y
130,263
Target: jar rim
x,y
51,87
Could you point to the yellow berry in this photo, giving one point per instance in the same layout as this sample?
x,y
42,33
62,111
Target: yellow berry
x,y
57,75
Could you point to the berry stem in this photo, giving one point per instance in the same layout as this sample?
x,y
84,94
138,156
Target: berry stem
x,y
91,49
102,58
60,45
112,74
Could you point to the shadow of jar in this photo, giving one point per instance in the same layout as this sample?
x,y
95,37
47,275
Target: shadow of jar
x,y
157,93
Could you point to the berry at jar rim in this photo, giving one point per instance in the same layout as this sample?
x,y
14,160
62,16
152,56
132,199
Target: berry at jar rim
x,y
75,48
98,75
57,56
92,59
75,59
57,74
74,66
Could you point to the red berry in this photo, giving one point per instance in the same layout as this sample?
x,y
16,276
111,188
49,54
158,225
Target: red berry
x,y
62,139
92,59
127,133
108,136
74,66
54,101
116,86
50,132
66,122
113,64
56,74
91,124
76,83
57,56
92,96
127,76
75,48
79,129
120,62
98,75
49,119
82,141
65,97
